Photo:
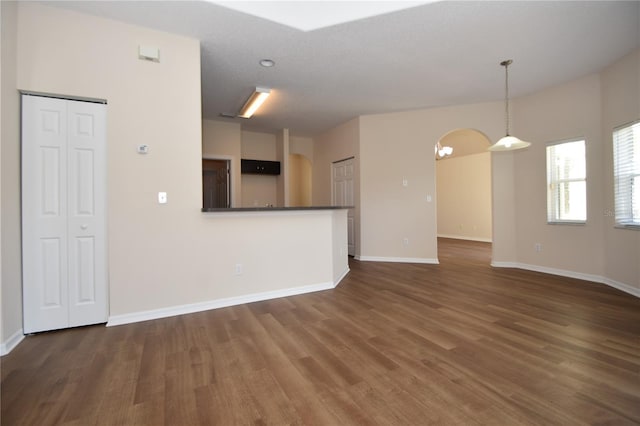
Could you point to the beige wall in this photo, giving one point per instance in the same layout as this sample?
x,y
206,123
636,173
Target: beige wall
x,y
559,113
258,190
503,212
258,146
302,146
162,256
589,107
340,260
399,146
11,281
621,104
463,188
221,140
158,104
465,142
279,254
300,170
282,180
334,145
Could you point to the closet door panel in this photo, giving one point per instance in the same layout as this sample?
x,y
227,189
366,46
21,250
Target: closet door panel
x,y
87,213
44,213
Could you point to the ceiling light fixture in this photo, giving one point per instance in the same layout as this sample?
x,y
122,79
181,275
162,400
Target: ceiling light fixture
x,y
253,103
267,63
442,151
508,142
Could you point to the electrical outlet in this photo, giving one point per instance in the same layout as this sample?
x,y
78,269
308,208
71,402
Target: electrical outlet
x,y
538,247
238,268
405,241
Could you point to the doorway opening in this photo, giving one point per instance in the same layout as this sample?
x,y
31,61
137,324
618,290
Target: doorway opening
x,y
463,187
300,177
216,184
342,194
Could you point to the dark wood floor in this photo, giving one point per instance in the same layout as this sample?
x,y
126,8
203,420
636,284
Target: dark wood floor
x,y
394,344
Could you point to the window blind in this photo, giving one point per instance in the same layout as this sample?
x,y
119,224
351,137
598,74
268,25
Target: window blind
x,y
626,171
566,182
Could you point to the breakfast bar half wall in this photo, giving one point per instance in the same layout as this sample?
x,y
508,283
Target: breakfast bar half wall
x,y
264,253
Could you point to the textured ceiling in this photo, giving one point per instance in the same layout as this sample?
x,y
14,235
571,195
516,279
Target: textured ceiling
x,y
437,54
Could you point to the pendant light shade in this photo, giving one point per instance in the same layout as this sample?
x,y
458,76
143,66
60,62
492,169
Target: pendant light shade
x,y
508,142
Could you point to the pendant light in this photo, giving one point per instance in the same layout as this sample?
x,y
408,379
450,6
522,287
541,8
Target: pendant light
x,y
508,142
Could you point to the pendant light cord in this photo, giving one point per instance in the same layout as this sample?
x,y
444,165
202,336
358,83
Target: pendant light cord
x,y
506,93
508,142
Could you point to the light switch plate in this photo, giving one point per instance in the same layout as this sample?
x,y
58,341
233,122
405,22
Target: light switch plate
x,y
162,197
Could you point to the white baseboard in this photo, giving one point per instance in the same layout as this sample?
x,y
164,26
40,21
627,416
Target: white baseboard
x,y
216,304
622,286
570,274
504,264
462,237
344,274
9,344
561,272
398,259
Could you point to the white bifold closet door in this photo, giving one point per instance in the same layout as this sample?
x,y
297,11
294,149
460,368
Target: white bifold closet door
x,y
64,256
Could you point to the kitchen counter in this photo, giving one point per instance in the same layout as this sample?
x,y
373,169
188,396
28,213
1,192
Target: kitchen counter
x,y
267,252
272,209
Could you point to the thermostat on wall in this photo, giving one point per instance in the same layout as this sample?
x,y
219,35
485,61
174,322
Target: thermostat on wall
x,y
149,53
143,149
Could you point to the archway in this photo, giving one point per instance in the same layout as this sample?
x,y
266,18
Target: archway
x,y
463,187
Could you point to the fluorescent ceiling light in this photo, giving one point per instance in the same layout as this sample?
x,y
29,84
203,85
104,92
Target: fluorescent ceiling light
x,y
253,103
313,15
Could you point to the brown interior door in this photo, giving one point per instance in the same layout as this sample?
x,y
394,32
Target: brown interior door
x,y
215,184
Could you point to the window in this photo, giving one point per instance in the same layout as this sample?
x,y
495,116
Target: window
x,y
566,182
626,172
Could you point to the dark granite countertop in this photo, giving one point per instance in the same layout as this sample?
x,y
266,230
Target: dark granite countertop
x,y
273,209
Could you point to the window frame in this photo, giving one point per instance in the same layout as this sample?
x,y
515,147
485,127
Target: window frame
x,y
550,197
634,224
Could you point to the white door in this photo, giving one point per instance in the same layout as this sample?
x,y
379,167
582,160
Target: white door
x,y
63,213
342,174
